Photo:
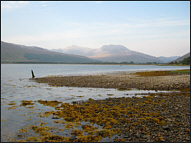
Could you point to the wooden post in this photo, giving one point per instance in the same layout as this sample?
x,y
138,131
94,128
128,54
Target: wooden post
x,y
32,74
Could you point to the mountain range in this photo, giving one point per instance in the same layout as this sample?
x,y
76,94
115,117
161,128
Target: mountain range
x,y
111,53
14,53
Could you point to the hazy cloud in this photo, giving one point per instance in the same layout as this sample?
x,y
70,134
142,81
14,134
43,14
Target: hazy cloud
x,y
7,5
141,28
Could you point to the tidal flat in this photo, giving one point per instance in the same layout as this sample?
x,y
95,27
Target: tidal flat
x,y
152,117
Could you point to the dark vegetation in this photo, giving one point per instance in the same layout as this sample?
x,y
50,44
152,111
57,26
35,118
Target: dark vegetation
x,y
186,61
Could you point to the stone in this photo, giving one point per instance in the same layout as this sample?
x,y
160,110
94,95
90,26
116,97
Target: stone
x,y
72,138
147,137
55,117
165,127
74,102
138,134
156,124
126,136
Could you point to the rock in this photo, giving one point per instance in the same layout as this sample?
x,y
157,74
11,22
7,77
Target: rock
x,y
138,134
187,139
143,140
74,102
162,140
126,136
148,137
165,127
156,124
55,117
128,120
129,112
72,138
96,111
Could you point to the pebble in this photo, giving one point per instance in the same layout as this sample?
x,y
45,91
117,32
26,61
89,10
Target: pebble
x,y
147,137
126,136
165,127
73,138
138,134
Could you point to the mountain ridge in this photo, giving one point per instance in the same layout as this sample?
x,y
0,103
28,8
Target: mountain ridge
x,y
15,53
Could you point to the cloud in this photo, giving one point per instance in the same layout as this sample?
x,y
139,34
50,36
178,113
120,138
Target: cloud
x,y
156,28
7,5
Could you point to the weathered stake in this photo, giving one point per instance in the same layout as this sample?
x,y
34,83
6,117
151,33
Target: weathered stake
x,y
32,74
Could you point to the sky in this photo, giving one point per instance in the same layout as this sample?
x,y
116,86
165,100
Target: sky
x,y
157,28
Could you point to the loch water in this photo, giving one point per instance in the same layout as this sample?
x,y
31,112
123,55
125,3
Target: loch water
x,y
16,86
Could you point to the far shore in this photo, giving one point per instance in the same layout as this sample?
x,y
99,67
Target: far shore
x,y
101,64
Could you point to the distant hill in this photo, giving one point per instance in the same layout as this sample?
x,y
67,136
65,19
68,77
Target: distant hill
x,y
14,53
168,59
182,58
111,53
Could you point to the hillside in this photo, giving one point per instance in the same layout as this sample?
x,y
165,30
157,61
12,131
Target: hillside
x,y
182,58
111,53
14,53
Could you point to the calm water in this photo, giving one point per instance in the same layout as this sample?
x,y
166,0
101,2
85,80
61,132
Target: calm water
x,y
16,86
